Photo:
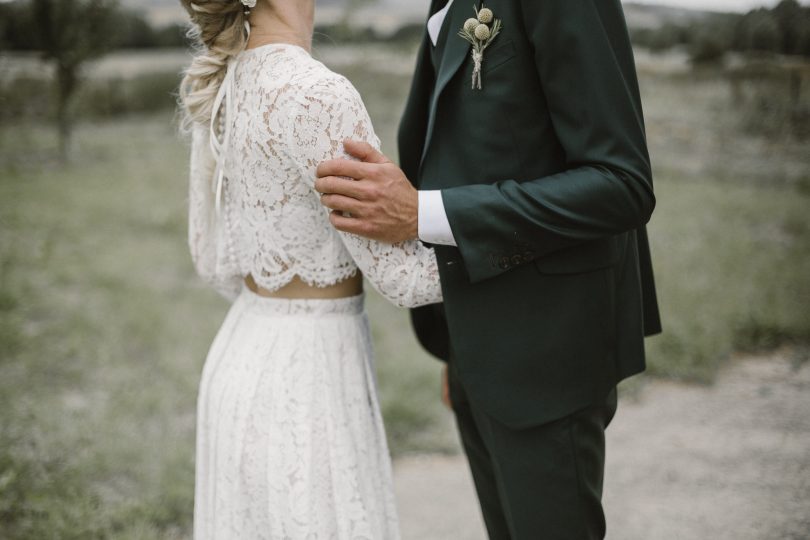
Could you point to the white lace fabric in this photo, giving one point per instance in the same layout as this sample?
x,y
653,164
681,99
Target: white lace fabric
x,y
286,113
290,439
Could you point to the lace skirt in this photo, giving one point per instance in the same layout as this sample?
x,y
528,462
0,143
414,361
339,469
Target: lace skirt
x,y
290,440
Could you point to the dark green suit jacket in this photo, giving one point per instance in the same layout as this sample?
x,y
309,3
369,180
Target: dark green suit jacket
x,y
546,181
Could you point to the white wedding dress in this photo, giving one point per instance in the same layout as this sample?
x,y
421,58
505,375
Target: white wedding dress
x,y
290,440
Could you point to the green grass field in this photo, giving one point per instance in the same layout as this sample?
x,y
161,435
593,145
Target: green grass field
x,y
104,326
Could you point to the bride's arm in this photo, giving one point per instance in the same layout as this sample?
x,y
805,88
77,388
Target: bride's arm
x,y
205,235
405,273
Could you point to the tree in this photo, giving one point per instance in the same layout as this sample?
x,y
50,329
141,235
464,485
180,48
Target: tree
x,y
666,37
16,30
789,17
707,48
803,39
173,35
763,32
133,31
70,33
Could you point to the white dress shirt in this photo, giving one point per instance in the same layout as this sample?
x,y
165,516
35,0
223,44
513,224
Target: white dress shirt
x,y
434,24
432,220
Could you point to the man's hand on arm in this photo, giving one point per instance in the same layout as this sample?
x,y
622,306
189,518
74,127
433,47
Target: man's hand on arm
x,y
445,388
381,202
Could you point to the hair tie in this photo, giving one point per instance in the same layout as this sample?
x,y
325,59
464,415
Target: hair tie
x,y
249,4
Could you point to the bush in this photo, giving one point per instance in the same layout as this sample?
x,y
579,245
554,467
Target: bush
x,y
659,39
16,27
759,31
707,47
32,98
173,36
785,29
771,103
26,97
114,97
341,33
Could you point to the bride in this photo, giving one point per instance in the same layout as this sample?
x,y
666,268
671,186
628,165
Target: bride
x,y
290,440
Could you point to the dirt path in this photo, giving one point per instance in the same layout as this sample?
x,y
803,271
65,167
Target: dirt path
x,y
726,462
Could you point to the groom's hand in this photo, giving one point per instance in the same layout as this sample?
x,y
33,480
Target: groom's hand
x,y
371,197
446,389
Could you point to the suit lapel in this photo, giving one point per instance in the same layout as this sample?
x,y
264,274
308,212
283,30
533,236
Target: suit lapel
x,y
456,50
413,126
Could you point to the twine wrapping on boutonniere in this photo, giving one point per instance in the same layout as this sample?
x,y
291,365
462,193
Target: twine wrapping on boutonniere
x,y
480,34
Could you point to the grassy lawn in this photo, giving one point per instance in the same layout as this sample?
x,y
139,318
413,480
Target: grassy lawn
x,y
731,231
104,326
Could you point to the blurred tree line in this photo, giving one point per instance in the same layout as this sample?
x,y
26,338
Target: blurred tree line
x,y
19,32
783,29
67,34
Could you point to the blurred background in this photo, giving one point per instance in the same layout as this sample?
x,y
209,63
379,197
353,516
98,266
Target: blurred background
x,y
104,326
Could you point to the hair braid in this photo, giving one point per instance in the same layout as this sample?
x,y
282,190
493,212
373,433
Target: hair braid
x,y
218,30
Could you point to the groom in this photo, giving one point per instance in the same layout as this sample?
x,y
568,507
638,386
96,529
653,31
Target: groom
x,y
535,190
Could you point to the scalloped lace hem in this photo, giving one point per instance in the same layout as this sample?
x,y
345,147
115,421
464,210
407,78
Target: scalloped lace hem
x,y
313,279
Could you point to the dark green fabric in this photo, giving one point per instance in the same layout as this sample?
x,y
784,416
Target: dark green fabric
x,y
542,482
547,185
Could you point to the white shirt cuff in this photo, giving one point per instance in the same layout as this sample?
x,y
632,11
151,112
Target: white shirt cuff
x,y
434,228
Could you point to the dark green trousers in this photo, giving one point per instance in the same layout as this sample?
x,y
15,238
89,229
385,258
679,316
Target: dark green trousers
x,y
537,483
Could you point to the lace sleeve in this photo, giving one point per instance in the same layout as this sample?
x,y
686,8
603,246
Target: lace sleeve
x,y
205,231
332,111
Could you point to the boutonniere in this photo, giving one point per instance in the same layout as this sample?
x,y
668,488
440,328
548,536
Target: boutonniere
x,y
480,31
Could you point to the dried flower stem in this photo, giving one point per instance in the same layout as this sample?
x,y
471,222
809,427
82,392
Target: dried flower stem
x,y
479,46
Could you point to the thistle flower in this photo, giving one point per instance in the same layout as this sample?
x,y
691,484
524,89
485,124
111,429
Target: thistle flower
x,y
485,16
470,25
478,33
482,32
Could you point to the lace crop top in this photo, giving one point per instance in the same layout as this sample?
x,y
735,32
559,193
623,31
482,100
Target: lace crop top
x,y
252,203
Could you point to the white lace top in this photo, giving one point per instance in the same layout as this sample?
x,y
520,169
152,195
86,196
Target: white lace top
x,y
282,113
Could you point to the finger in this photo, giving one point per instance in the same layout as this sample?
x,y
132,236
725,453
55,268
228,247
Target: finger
x,y
446,399
446,390
344,167
347,224
343,204
339,186
364,152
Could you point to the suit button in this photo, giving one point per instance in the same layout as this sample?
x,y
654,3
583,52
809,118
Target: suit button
x,y
504,264
517,259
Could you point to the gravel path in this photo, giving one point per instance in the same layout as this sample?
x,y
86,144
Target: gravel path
x,y
725,462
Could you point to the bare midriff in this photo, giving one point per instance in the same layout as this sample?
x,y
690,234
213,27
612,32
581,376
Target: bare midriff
x,y
297,289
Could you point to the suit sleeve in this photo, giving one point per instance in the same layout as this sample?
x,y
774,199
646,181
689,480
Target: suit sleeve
x,y
585,64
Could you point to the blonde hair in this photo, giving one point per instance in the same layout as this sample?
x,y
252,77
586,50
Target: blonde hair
x,y
218,30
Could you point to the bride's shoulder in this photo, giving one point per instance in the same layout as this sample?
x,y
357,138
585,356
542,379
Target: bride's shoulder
x,y
319,83
289,79
289,70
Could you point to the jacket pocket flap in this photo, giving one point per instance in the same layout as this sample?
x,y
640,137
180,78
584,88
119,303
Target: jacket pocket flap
x,y
497,55
585,257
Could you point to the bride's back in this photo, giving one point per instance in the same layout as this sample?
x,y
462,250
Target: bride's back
x,y
286,113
